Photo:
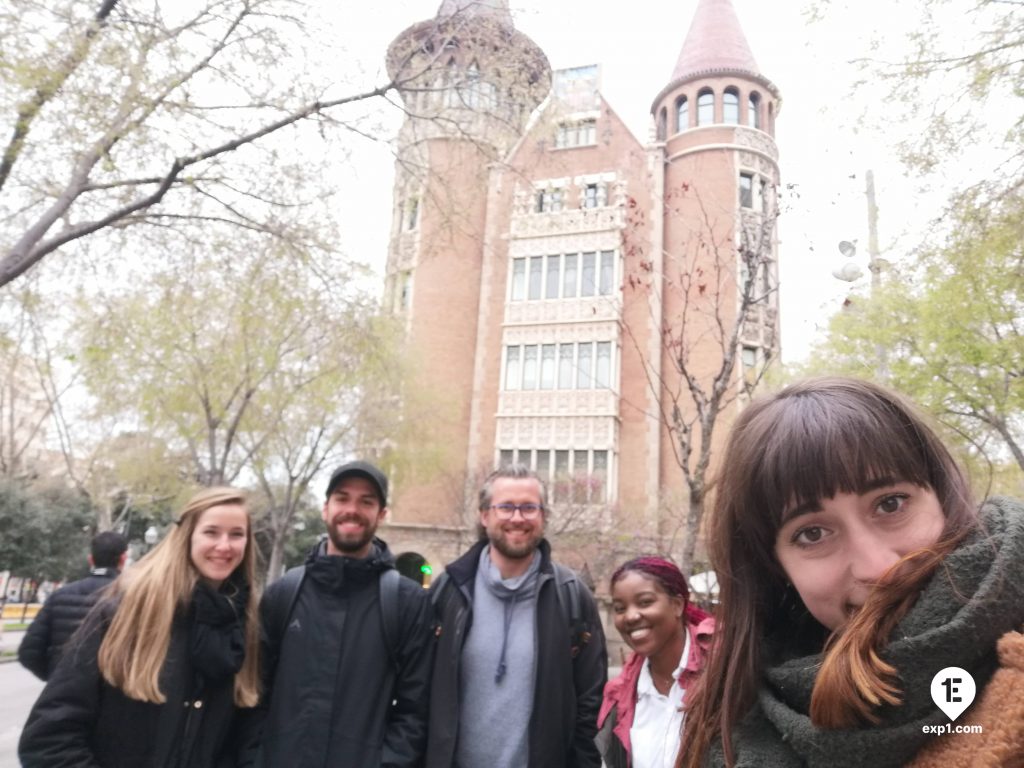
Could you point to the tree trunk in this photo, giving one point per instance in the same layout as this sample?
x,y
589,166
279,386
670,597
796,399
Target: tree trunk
x,y
276,565
694,514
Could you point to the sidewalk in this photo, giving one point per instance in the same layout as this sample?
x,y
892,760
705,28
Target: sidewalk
x,y
10,641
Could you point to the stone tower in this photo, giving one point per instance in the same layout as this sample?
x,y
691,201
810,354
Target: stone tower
x,y
469,81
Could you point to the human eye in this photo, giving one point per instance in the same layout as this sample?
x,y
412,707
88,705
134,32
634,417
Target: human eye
x,y
618,607
505,509
891,503
808,536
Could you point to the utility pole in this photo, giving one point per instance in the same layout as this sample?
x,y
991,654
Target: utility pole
x,y
875,265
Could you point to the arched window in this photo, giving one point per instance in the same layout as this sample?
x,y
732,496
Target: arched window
x,y
706,107
771,118
471,95
682,114
451,82
754,110
662,124
731,106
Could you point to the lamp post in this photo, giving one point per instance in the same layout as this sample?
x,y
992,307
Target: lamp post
x,y
151,537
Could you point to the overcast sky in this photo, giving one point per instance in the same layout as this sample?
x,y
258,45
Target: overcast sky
x,y
824,146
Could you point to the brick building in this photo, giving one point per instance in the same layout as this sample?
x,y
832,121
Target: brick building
x,y
558,277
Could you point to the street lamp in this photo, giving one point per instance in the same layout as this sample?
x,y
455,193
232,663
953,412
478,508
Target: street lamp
x,y
151,537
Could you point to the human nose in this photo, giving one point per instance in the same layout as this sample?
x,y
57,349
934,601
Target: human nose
x,y
870,559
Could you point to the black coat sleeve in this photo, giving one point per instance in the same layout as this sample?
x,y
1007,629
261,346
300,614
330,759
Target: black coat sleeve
x,y
60,725
33,652
590,673
405,735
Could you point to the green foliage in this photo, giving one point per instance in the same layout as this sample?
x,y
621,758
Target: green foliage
x,y
951,334
44,531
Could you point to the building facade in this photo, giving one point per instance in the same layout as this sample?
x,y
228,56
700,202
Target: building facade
x,y
564,285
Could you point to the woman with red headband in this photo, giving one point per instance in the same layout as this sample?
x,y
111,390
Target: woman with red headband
x,y
641,715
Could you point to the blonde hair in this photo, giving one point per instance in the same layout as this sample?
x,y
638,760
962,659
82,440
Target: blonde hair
x,y
156,588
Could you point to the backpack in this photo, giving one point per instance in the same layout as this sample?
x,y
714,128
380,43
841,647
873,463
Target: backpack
x,y
280,610
568,591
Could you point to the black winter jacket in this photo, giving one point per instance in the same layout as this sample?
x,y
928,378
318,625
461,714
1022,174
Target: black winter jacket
x,y
48,633
80,721
334,695
567,694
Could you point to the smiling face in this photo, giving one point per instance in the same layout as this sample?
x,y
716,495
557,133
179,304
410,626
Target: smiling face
x,y
218,541
352,513
514,539
833,551
647,617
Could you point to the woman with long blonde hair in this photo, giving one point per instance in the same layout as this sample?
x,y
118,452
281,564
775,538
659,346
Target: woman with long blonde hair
x,y
853,569
154,675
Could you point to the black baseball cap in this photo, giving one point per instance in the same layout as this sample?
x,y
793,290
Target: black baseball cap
x,y
361,469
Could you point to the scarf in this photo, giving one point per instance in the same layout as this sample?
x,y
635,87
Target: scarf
x,y
217,634
974,598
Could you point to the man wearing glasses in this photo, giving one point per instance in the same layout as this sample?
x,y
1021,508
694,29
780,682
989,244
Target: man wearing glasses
x,y
521,660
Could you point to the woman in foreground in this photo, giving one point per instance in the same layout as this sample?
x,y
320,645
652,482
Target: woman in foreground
x,y
853,566
642,711
153,676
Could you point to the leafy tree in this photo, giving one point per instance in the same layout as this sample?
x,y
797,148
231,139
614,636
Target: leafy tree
x,y
952,329
44,531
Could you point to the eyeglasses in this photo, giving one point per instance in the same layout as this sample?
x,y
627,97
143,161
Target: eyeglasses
x,y
508,511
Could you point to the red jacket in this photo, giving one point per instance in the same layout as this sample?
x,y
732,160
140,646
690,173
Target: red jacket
x,y
620,693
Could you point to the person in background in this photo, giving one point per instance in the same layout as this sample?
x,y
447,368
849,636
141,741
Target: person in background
x,y
853,568
642,713
153,676
41,647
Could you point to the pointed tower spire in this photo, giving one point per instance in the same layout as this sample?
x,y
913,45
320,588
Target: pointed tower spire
x,y
494,9
715,43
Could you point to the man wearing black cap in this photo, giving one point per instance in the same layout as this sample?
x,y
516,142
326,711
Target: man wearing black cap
x,y
347,644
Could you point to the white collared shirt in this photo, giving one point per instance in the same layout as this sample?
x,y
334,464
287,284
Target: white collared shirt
x,y
658,719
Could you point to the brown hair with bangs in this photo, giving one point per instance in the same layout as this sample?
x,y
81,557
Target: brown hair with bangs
x,y
812,440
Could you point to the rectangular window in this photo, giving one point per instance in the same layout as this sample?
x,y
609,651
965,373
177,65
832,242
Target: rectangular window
x,y
412,217
588,285
536,277
518,279
603,374
551,285
547,366
561,484
541,202
512,368
746,190
580,477
569,276
590,196
405,290
599,477
588,132
584,371
530,367
607,273
544,464
556,200
505,458
565,366
523,456
749,357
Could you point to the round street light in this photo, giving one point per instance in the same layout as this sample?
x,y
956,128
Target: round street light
x,y
151,536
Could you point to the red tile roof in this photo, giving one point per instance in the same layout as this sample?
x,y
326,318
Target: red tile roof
x,y
715,42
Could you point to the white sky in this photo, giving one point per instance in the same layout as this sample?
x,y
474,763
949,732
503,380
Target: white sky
x,y
823,148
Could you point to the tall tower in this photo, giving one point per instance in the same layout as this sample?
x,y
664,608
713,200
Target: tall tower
x,y
469,81
715,169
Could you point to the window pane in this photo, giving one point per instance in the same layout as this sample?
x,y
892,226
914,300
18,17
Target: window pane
x,y
603,377
590,196
753,111
607,272
536,276
599,477
512,368
580,477
682,115
530,367
731,107
547,366
551,287
588,132
518,279
584,376
588,287
544,464
706,109
561,484
524,457
746,190
565,366
556,200
505,459
569,276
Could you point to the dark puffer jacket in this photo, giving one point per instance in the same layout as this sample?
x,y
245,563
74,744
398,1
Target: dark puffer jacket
x,y
80,721
40,649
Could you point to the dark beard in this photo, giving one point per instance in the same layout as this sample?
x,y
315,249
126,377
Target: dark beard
x,y
515,553
350,546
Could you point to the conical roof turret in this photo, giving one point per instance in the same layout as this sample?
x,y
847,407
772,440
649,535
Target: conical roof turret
x,y
715,43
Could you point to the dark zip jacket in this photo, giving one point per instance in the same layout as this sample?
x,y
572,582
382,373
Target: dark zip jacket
x,y
48,633
334,694
80,721
567,693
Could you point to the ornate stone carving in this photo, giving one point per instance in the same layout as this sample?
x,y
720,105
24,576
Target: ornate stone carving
x,y
569,221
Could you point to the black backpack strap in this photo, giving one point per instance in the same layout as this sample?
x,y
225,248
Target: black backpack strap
x,y
390,612
281,607
569,600
438,589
